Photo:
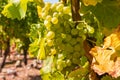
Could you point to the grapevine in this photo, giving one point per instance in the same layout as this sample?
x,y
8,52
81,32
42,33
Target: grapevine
x,y
69,37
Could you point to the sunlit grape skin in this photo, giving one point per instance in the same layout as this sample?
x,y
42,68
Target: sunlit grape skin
x,y
91,30
66,10
53,6
68,62
53,51
48,18
50,42
47,24
47,5
59,8
55,14
54,20
50,35
43,15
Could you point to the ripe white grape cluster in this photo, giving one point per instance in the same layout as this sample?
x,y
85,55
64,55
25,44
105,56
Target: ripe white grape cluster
x,y
62,38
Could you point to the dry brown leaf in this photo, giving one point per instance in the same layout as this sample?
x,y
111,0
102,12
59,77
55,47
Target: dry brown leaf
x,y
116,71
106,59
101,60
112,41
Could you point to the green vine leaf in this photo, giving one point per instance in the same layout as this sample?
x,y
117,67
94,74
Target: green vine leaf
x,y
106,78
15,10
47,65
91,2
57,76
107,12
78,73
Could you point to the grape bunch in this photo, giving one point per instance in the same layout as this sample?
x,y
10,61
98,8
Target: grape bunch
x,y
63,39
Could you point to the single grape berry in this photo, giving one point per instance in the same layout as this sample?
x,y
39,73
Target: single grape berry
x,y
54,20
50,35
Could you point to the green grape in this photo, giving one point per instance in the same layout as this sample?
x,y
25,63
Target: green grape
x,y
59,64
53,6
66,10
53,51
68,62
50,35
90,29
47,6
64,64
72,24
81,33
83,37
58,35
66,17
68,38
85,31
73,41
58,40
70,20
59,8
78,39
44,9
77,47
63,35
48,18
50,42
62,46
54,20
55,14
80,26
47,24
56,27
76,54
60,30
74,31
44,14
75,60
59,61
69,56
60,67
60,56
15,2
68,48
60,14
67,29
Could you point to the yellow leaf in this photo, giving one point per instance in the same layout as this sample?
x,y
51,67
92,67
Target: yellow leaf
x,y
101,60
41,52
106,59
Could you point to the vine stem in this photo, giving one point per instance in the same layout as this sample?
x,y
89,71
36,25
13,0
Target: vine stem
x,y
75,6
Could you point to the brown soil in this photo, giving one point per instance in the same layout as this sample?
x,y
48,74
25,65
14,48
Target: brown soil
x,y
10,72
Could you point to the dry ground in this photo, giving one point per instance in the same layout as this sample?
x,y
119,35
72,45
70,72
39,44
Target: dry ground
x,y
11,72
